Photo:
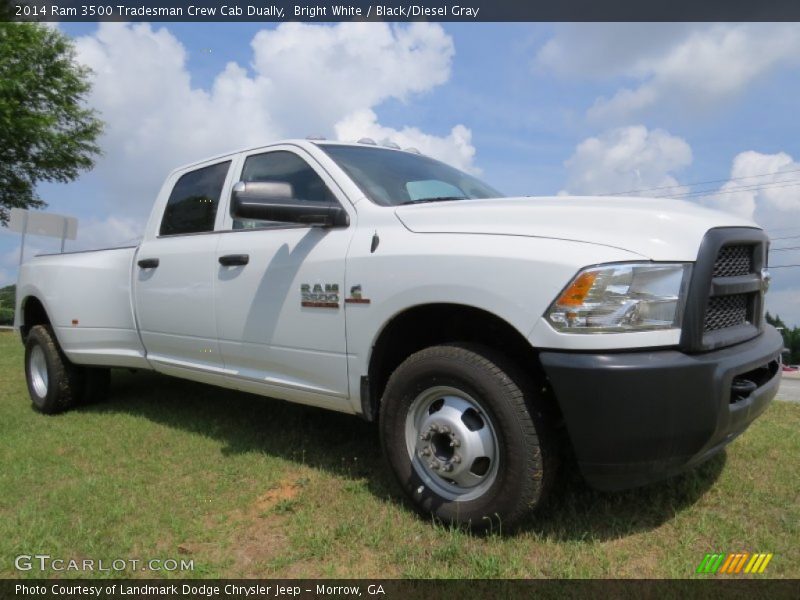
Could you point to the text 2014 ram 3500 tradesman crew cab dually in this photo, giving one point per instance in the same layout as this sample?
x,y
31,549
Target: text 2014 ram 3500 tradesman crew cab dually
x,y
475,329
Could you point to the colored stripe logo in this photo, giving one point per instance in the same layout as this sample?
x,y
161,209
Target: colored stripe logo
x,y
736,563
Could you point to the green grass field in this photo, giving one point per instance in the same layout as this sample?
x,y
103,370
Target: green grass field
x,y
250,487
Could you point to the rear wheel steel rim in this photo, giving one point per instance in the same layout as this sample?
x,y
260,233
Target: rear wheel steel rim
x,y
38,370
452,443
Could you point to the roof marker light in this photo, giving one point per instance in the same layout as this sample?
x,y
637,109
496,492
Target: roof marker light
x,y
366,140
412,149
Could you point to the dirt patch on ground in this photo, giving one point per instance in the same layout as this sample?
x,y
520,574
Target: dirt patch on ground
x,y
262,536
256,534
286,491
255,541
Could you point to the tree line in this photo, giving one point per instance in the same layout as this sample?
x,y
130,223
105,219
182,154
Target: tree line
x,y
791,339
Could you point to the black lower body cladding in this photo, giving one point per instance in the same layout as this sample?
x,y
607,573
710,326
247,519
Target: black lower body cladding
x,y
637,417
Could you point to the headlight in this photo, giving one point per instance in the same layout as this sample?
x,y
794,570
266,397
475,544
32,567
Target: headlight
x,y
622,297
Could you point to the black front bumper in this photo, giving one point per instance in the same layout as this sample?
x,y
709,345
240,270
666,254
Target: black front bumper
x,y
637,417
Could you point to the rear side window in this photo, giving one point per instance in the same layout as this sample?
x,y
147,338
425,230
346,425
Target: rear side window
x,y
192,205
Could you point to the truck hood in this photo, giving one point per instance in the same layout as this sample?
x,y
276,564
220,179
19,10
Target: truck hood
x,y
658,229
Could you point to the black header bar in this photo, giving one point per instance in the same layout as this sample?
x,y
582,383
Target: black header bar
x,y
399,11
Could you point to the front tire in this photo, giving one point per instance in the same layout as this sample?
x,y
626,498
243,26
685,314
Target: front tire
x,y
463,434
54,383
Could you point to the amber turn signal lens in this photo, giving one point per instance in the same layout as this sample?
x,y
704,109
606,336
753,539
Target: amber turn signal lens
x,y
575,294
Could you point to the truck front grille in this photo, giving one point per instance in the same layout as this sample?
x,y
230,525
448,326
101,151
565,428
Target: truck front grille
x,y
723,311
725,300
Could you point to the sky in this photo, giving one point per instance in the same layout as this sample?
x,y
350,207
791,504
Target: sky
x,y
704,112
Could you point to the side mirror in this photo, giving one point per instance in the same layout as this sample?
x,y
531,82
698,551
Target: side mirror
x,y
275,201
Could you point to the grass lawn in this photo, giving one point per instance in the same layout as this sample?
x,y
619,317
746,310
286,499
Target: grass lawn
x,y
248,487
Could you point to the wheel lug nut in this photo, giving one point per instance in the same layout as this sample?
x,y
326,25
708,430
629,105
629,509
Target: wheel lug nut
x,y
434,465
445,429
455,443
457,459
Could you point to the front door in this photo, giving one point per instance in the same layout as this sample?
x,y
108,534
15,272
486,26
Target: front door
x,y
280,305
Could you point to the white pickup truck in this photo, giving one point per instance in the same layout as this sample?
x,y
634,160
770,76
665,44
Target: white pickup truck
x,y
477,330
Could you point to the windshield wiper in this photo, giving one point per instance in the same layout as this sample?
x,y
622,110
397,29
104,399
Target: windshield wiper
x,y
434,199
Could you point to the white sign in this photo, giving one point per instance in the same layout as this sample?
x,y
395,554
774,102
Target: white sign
x,y
42,223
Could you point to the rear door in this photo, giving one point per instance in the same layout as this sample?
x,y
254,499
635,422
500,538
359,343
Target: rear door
x,y
274,337
174,274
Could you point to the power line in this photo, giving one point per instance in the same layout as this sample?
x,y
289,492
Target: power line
x,y
744,188
785,249
788,237
678,185
783,266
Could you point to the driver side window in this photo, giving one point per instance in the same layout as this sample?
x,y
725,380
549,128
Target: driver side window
x,y
286,167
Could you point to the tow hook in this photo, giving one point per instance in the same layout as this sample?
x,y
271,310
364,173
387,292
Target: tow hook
x,y
741,388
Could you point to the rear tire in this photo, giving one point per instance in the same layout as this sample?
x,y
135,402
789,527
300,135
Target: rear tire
x,y
54,383
464,436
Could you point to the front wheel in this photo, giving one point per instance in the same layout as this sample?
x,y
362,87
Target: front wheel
x,y
463,434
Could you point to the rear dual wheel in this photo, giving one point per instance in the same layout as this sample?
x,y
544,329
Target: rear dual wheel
x,y
465,438
54,383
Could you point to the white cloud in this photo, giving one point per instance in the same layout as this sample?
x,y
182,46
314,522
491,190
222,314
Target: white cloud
x,y
320,74
763,187
303,79
679,66
626,159
455,148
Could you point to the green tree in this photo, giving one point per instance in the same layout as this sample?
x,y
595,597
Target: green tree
x,y
7,299
775,321
791,338
792,341
47,133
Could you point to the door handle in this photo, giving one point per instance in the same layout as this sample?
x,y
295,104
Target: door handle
x,y
148,263
234,260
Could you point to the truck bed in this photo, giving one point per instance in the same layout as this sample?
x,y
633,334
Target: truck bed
x,y
87,296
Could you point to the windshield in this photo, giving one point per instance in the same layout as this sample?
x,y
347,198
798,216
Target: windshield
x,y
391,178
